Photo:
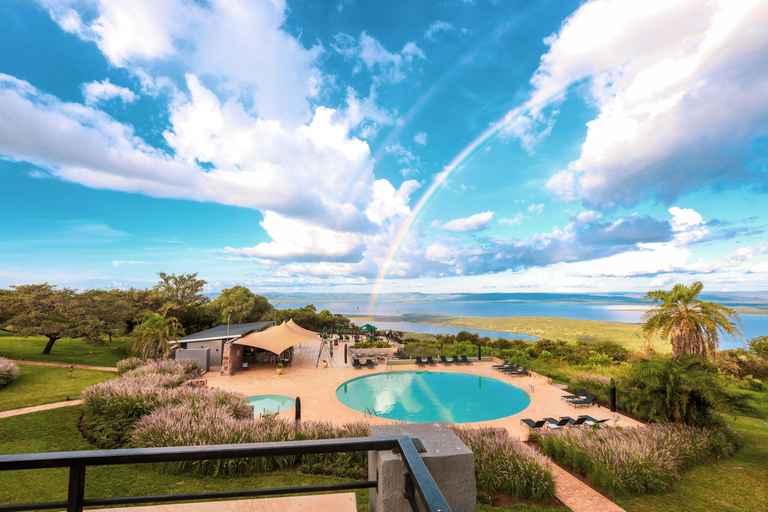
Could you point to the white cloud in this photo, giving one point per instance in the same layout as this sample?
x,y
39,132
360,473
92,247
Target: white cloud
x,y
369,52
295,240
365,115
680,89
96,92
514,221
420,138
536,208
388,202
258,164
240,44
436,27
476,222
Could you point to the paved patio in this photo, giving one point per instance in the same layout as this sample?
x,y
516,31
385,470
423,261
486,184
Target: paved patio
x,y
316,386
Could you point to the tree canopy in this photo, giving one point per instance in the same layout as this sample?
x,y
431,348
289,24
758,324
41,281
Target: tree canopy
x,y
246,307
692,326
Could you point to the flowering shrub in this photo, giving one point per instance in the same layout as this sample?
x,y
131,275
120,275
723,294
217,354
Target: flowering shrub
x,y
192,423
636,460
129,364
505,465
9,372
112,407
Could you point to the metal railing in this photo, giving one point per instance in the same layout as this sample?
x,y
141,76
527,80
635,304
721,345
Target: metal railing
x,y
418,475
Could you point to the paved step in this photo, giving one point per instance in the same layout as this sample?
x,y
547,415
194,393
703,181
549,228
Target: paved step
x,y
578,496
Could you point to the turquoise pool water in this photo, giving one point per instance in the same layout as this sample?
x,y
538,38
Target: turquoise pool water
x,y
270,403
422,396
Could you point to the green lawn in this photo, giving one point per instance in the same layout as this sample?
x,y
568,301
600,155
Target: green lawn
x,y
40,385
730,485
72,351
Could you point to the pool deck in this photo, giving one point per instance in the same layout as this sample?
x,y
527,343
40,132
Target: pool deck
x,y
316,386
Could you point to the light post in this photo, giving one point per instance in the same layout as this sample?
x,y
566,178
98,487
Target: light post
x,y
228,317
275,308
402,323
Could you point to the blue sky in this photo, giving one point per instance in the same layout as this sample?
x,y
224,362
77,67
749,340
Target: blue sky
x,y
458,146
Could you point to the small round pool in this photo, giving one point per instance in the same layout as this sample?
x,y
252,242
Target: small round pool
x,y
423,396
270,404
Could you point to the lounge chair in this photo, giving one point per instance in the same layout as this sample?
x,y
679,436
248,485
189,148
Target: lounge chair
x,y
511,369
578,422
590,421
587,402
465,360
553,423
519,373
533,425
581,394
455,360
430,361
356,364
445,361
419,362
506,364
370,364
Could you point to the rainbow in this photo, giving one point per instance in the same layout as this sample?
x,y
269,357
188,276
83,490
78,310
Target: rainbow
x,y
456,164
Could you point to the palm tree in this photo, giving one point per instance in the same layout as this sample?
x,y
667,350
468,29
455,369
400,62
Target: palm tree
x,y
686,389
691,325
153,333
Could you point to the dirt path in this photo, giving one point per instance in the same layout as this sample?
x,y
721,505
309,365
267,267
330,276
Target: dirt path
x,y
44,407
65,365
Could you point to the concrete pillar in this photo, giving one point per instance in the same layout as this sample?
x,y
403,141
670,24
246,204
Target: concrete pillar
x,y
450,462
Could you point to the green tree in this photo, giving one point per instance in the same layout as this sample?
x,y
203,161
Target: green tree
x,y
153,335
182,296
41,309
686,389
759,346
245,305
182,291
693,326
104,313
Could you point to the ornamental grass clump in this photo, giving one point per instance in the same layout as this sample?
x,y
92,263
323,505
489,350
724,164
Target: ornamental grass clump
x,y
9,372
195,423
505,465
636,460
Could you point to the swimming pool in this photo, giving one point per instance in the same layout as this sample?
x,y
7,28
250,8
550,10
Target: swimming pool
x,y
423,396
269,404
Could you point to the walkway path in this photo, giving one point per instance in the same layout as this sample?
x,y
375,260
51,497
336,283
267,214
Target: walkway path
x,y
44,407
578,496
65,365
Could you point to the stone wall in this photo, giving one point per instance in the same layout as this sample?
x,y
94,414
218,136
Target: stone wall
x,y
231,359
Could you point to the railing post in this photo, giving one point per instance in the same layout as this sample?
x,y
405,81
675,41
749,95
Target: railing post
x,y
76,490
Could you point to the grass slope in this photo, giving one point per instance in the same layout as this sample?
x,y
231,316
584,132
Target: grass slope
x,y
565,329
736,484
72,351
40,385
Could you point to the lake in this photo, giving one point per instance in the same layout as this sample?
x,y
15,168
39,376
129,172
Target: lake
x,y
754,325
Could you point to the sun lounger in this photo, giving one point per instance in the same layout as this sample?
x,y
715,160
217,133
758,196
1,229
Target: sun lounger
x,y
465,360
455,360
533,425
590,421
430,361
445,361
578,422
512,368
553,423
506,364
580,395
356,364
587,402
419,362
370,364
519,373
